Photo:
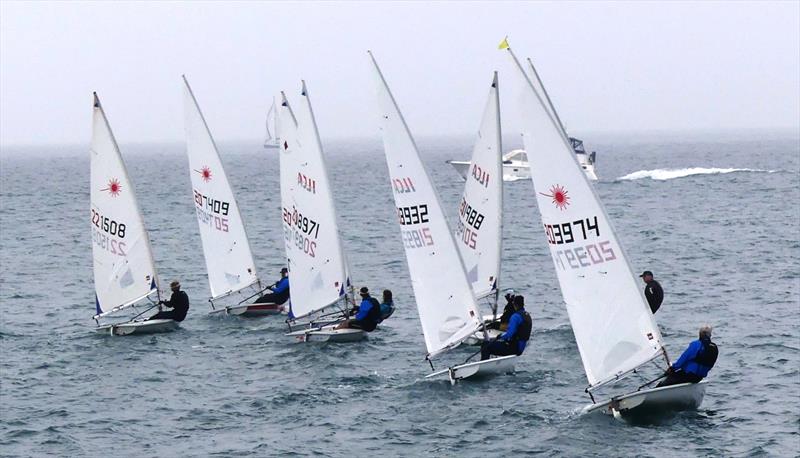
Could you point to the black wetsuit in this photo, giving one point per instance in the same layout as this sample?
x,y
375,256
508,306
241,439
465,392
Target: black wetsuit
x,y
654,294
179,303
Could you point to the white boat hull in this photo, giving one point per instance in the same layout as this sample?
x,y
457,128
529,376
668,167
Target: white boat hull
x,y
685,396
138,327
488,367
329,334
250,310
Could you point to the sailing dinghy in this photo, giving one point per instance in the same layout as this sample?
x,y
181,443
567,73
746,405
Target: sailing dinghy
x,y
272,141
614,329
480,213
318,273
232,277
124,271
445,300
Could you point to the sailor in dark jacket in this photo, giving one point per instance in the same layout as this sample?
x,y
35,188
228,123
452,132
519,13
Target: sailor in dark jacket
x,y
695,362
515,339
280,290
652,291
368,315
178,302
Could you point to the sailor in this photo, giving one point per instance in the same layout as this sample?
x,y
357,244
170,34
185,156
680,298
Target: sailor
x,y
652,291
178,302
514,340
386,306
280,290
508,311
695,362
368,315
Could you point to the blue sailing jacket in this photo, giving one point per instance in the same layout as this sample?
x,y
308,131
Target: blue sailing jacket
x,y
365,308
517,331
687,362
283,285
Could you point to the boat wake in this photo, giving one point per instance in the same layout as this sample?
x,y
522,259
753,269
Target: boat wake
x,y
669,174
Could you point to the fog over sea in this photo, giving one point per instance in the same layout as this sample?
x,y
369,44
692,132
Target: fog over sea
x,y
716,218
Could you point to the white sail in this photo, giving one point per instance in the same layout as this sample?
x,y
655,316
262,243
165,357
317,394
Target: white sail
x,y
317,270
479,230
124,271
446,304
614,328
273,138
229,260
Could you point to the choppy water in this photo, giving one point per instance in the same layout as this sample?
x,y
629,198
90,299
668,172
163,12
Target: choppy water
x,y
725,246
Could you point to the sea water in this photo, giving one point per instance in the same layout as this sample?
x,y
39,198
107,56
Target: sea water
x,y
714,217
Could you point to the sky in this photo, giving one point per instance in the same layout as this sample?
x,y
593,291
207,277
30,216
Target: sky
x,y
620,67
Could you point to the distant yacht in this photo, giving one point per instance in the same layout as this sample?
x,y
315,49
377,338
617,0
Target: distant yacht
x,y
515,163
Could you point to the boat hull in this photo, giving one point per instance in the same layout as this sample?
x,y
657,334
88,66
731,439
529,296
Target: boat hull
x,y
138,327
685,396
250,310
488,367
329,334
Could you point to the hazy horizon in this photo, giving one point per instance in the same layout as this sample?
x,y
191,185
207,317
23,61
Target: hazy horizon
x,y
614,67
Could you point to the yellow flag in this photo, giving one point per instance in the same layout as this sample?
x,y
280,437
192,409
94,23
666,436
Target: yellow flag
x,y
503,44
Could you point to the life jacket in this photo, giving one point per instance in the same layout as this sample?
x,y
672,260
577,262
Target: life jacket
x,y
707,356
524,330
386,310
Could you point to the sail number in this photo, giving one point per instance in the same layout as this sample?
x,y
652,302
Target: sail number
x,y
417,238
108,225
210,204
558,234
585,256
302,223
415,214
307,183
108,243
469,215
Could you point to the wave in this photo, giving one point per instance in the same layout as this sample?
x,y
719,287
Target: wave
x,y
669,174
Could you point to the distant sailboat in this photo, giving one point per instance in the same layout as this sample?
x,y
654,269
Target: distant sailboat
x,y
318,272
272,141
614,329
124,271
231,271
447,308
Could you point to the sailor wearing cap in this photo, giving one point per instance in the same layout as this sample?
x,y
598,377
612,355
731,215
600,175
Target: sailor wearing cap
x,y
652,291
280,290
178,302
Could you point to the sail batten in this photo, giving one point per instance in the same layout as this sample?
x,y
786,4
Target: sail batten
x,y
613,326
447,308
226,248
318,273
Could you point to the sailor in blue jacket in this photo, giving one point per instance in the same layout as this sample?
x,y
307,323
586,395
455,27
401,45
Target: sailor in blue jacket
x,y
695,362
368,315
514,340
280,290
